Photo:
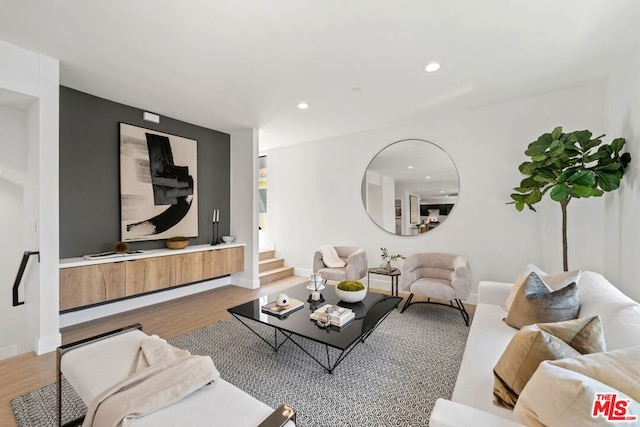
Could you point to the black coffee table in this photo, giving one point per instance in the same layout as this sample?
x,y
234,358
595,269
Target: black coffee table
x,y
370,312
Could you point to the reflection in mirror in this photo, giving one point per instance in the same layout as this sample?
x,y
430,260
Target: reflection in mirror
x,y
410,187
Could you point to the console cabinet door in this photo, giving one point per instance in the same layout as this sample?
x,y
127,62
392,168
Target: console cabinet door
x,y
80,286
223,261
150,274
189,268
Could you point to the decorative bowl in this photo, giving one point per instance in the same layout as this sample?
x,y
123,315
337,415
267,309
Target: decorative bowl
x,y
180,244
351,296
228,239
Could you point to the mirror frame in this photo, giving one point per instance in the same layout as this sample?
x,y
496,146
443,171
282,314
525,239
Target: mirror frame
x,y
411,210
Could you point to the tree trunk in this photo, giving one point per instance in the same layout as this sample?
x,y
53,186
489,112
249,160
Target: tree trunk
x,y
565,262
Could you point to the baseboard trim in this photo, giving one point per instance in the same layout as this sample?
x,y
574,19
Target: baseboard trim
x,y
48,343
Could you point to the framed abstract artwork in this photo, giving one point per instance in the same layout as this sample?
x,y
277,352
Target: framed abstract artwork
x,y
158,185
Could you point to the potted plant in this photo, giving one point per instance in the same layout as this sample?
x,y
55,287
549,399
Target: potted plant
x,y
386,258
351,291
177,242
569,166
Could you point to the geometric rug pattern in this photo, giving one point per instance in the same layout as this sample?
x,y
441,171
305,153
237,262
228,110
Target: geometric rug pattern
x,y
392,379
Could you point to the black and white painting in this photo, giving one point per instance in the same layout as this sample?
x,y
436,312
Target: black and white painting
x,y
158,184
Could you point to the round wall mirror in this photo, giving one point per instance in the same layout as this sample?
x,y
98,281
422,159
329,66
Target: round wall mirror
x,y
410,187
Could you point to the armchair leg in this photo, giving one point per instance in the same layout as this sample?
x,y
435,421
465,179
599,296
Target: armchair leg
x,y
463,311
458,306
407,303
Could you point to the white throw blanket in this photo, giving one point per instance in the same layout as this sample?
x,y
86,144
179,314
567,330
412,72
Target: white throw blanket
x,y
160,376
330,257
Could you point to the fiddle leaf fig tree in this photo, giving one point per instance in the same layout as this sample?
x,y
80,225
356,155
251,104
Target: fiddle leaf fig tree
x,y
569,166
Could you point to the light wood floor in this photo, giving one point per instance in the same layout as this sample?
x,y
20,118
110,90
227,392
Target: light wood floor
x,y
21,374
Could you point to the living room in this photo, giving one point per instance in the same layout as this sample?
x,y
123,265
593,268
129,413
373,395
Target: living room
x,y
483,122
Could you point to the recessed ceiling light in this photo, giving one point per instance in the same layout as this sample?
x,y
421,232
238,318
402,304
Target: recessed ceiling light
x,y
442,191
431,67
428,177
409,167
303,105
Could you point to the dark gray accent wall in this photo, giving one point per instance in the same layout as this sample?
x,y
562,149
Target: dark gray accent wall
x,y
90,173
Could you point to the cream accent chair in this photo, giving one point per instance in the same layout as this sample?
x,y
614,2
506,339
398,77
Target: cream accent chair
x,y
437,275
355,258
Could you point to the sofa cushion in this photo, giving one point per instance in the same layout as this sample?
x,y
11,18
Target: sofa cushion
x,y
488,336
555,397
599,296
536,343
623,329
535,302
554,281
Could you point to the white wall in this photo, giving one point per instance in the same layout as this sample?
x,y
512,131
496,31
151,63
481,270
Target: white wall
x,y
622,227
244,202
13,152
25,75
309,207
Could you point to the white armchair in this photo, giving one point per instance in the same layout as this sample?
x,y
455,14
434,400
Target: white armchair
x,y
354,258
437,275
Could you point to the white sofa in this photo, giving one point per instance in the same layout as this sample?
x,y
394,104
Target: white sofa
x,y
94,366
472,400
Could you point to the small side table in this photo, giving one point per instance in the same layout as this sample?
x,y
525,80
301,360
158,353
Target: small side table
x,y
394,273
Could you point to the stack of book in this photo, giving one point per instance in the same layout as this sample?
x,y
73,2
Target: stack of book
x,y
335,315
282,310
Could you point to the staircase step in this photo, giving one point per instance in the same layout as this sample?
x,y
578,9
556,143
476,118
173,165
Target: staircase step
x,y
270,264
266,254
275,274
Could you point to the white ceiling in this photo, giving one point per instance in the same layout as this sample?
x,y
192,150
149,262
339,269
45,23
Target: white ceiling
x,y
231,64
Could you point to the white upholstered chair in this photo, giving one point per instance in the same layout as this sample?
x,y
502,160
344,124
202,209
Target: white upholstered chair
x,y
437,275
355,268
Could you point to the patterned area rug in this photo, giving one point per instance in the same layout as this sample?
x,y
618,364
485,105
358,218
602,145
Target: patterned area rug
x,y
392,379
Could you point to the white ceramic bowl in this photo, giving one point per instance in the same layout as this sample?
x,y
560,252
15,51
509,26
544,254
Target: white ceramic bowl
x,y
351,296
228,239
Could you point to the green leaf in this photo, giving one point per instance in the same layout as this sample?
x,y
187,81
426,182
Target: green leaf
x,y
617,144
527,168
538,157
566,174
625,159
541,179
557,133
583,177
556,148
529,183
520,206
560,192
534,197
582,191
608,181
582,137
517,197
608,167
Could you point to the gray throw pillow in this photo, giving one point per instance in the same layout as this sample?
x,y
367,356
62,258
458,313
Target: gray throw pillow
x,y
537,303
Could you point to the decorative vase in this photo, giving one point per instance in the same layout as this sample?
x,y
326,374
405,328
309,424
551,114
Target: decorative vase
x,y
388,267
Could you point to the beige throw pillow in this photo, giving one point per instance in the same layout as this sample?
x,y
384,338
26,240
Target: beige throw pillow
x,y
554,281
559,397
535,302
562,392
536,343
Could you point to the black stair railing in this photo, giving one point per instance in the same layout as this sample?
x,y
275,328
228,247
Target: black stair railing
x,y
23,266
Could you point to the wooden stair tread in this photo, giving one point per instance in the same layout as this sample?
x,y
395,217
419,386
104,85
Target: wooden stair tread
x,y
275,270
